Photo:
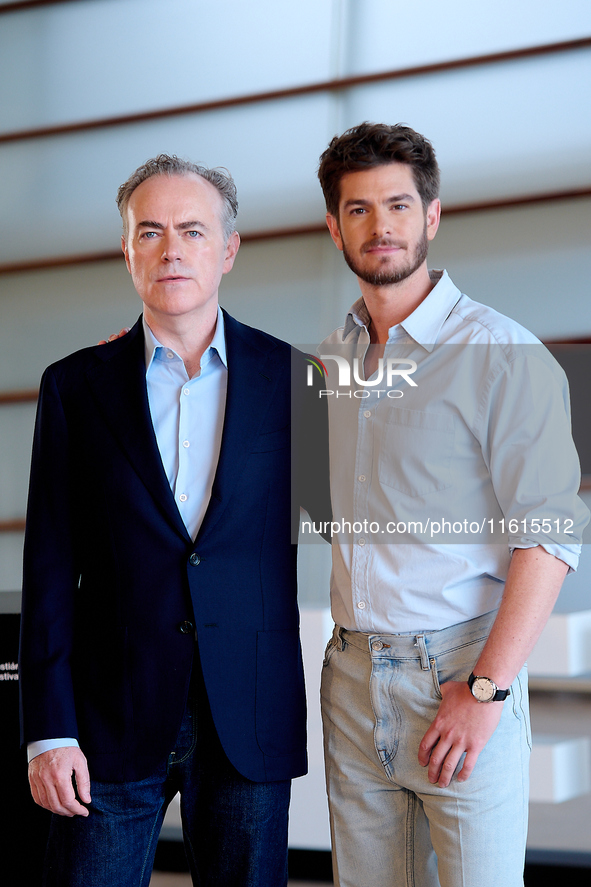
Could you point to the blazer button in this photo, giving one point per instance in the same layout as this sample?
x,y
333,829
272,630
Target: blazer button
x,y
194,559
186,627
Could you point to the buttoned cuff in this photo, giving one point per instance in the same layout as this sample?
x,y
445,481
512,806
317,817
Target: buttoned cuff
x,y
37,748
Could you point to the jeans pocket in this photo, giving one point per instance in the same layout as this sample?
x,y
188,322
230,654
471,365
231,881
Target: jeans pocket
x,y
435,677
330,648
521,702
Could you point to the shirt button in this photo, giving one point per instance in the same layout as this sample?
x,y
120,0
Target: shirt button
x,y
170,354
361,478
194,559
361,541
186,627
183,497
186,444
361,605
185,391
377,646
367,414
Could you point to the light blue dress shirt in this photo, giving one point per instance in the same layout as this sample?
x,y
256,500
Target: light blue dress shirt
x,y
188,419
440,471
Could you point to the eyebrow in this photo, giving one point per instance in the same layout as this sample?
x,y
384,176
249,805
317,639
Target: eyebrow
x,y
183,226
361,201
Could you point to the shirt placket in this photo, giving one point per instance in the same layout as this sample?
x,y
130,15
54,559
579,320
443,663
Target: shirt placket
x,y
182,485
360,561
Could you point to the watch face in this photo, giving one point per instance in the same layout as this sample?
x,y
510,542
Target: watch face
x,y
483,689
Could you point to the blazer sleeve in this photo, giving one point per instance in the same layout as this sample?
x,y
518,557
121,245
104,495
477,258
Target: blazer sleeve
x,y
50,576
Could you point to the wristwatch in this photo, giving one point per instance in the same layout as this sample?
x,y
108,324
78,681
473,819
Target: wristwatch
x,y
485,690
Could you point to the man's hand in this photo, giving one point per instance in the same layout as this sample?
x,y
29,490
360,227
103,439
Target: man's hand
x,y
114,336
462,725
50,778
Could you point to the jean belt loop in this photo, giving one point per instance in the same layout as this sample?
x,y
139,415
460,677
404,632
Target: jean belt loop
x,y
425,664
338,638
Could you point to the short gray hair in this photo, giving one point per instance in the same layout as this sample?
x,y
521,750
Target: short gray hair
x,y
168,165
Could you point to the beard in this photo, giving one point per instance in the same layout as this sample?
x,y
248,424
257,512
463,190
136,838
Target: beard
x,y
388,277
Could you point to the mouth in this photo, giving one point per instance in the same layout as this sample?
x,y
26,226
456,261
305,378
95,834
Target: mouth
x,y
382,247
171,278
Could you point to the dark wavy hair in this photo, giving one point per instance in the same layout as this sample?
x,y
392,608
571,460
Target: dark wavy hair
x,y
376,144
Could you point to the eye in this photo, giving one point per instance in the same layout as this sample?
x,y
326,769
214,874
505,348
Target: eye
x,y
149,235
194,234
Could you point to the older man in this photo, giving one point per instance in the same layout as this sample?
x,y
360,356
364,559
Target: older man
x,y
160,648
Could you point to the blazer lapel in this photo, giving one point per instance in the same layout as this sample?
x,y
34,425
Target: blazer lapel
x,y
250,385
118,385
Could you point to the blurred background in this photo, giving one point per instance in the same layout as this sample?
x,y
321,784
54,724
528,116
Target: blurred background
x,y
89,89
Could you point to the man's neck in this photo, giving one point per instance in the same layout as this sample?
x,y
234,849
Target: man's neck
x,y
188,335
389,305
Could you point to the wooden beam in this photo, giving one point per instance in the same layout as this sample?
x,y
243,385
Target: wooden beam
x,y
17,525
274,95
23,5
11,397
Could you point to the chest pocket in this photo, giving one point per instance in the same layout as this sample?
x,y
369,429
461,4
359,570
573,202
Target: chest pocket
x,y
416,452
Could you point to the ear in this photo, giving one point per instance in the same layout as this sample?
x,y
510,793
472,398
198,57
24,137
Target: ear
x,y
231,249
333,227
433,217
125,252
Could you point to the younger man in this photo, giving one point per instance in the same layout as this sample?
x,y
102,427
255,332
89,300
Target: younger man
x,y
456,431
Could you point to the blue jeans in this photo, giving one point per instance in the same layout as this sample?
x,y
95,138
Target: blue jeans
x,y
234,830
391,827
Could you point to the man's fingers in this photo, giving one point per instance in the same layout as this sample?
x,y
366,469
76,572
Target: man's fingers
x,y
427,744
442,771
440,754
39,794
51,779
468,766
442,759
113,336
83,783
57,798
122,332
51,798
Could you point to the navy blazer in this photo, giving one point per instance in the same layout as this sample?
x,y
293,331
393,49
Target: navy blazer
x,y
113,584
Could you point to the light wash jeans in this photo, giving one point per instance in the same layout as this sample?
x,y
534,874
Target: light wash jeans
x,y
390,827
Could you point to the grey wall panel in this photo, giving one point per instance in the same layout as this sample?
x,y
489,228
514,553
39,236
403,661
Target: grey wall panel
x,y
98,58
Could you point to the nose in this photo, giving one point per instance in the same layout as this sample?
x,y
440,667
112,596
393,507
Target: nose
x,y
382,223
171,248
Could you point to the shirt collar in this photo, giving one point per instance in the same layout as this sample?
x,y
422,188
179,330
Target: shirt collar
x,y
218,343
425,322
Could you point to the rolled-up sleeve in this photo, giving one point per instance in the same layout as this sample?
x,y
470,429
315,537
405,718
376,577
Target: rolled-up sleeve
x,y
526,439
